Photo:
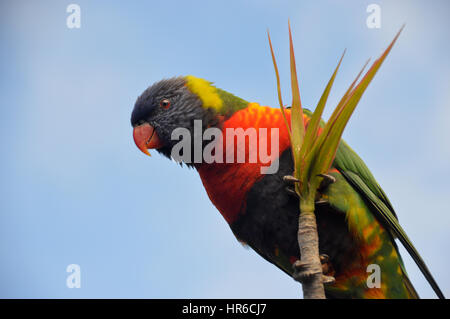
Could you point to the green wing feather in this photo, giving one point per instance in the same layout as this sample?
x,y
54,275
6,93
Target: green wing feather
x,y
358,175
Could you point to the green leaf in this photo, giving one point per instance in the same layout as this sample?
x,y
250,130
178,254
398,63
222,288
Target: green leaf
x,y
298,128
280,99
319,141
324,158
313,126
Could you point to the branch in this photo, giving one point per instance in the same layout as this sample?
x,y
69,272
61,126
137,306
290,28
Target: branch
x,y
309,267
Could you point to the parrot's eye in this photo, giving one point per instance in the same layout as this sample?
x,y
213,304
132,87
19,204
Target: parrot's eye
x,y
165,103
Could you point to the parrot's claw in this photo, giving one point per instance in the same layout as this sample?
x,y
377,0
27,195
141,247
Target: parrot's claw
x,y
302,274
290,179
324,258
322,202
327,180
328,280
291,191
327,270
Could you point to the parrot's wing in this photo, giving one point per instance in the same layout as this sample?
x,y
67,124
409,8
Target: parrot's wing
x,y
358,175
348,161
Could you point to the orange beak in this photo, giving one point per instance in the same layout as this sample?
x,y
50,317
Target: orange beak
x,y
146,137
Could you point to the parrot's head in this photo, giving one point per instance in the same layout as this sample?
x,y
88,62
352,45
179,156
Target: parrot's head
x,y
177,103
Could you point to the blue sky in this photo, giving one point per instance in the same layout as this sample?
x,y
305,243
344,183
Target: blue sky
x,y
75,189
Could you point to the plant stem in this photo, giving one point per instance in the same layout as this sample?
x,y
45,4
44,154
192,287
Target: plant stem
x,y
308,241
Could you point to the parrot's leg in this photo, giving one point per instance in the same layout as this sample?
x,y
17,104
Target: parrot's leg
x,y
290,181
327,181
301,275
291,191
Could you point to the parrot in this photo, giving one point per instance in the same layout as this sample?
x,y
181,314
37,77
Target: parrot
x,y
356,222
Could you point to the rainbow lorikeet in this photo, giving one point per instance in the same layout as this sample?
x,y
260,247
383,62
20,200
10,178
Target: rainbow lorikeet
x,y
353,233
